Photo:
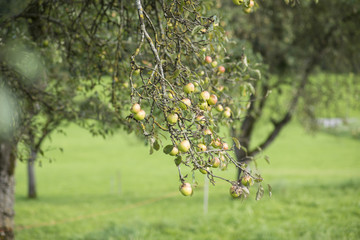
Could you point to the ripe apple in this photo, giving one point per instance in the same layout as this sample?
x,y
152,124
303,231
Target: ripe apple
x,y
186,189
140,115
202,147
221,69
208,59
251,3
215,162
200,119
225,146
135,108
172,118
247,181
207,132
205,95
174,151
216,143
219,108
227,114
212,100
214,64
238,2
185,103
235,191
189,88
184,146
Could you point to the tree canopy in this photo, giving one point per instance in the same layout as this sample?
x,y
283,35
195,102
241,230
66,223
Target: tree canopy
x,y
157,68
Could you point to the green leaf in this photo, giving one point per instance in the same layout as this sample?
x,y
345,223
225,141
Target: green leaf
x,y
259,193
196,29
237,143
176,74
156,145
167,149
178,160
207,139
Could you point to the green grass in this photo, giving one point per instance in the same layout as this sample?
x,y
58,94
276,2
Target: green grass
x,y
315,181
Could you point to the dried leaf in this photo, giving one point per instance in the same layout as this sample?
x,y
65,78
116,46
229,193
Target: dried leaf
x,y
267,159
259,193
270,190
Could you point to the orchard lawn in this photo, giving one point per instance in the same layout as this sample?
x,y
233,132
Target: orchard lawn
x,y
112,189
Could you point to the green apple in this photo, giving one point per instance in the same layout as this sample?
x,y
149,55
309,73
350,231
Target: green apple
x,y
205,95
172,118
214,64
184,146
140,115
202,73
212,100
174,151
219,108
189,88
238,2
135,108
208,59
215,162
185,103
137,72
204,171
203,105
170,95
247,181
227,114
201,147
247,10
186,189
235,191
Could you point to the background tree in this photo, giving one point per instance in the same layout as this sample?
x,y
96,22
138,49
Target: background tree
x,y
305,46
89,62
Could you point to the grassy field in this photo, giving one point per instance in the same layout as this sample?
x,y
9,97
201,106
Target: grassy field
x,y
112,189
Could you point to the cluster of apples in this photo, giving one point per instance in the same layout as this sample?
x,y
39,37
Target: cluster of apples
x,y
139,114
247,5
241,189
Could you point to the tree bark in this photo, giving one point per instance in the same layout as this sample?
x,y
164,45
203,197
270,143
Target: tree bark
x,y
31,174
7,186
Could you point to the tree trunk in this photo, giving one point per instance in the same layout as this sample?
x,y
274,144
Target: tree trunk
x,y
31,174
7,184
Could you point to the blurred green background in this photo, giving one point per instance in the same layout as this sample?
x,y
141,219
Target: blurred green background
x,y
113,189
